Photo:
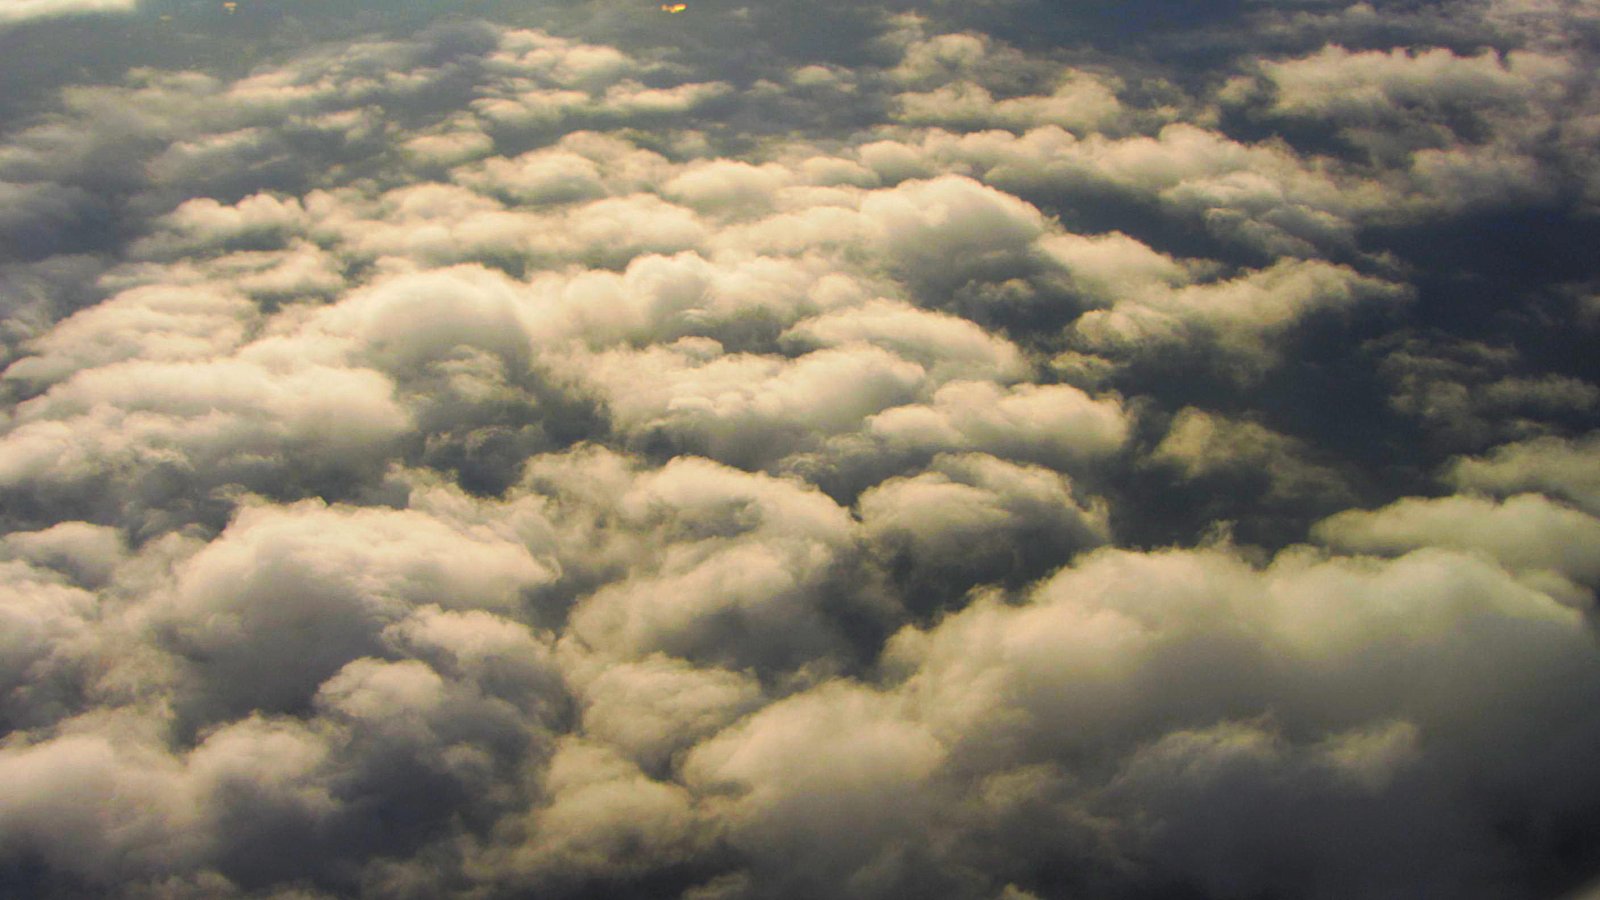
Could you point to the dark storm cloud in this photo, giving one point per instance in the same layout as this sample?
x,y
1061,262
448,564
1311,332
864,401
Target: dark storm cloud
x,y
783,450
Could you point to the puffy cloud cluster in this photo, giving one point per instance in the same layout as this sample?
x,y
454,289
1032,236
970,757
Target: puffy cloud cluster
x,y
1457,129
769,453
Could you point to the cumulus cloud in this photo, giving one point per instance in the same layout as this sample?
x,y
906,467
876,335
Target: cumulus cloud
x,y
793,451
1244,316
1524,533
972,519
24,10
1462,127
1200,444
1558,467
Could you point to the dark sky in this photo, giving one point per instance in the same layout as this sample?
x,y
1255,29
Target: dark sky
x,y
989,450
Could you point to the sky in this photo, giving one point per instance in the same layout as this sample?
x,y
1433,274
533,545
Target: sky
x,y
996,450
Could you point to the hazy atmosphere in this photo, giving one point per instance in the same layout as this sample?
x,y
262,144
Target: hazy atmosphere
x,y
732,450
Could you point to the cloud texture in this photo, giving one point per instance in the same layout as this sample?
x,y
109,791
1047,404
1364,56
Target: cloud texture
x,y
774,451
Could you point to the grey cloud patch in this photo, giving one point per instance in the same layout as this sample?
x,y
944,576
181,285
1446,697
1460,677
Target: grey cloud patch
x,y
793,450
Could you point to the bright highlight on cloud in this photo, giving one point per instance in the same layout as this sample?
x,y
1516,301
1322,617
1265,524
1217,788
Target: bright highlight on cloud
x,y
984,451
23,10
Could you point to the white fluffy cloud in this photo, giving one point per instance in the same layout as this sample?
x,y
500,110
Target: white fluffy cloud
x,y
1526,532
1053,424
801,451
1561,468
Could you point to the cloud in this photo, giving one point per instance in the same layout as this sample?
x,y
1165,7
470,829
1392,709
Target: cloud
x,y
25,10
601,809
1526,532
1100,658
1242,316
1560,467
790,451
658,707
154,322
1465,392
109,435
832,779
971,519
1202,445
1464,125
1079,103
758,569
1054,424
950,345
86,553
267,597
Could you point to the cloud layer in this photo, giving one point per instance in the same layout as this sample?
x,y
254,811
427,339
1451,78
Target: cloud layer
x,y
978,451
